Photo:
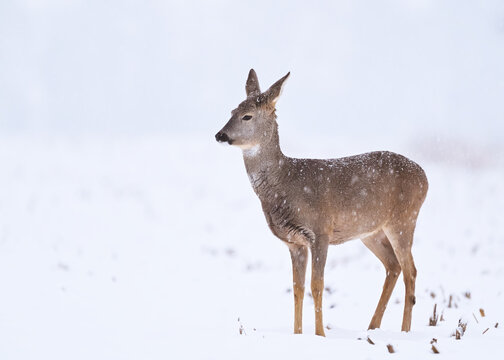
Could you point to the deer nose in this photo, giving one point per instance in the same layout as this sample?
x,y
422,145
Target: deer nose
x,y
221,137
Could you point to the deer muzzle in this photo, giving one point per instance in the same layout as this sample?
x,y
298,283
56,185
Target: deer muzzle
x,y
223,137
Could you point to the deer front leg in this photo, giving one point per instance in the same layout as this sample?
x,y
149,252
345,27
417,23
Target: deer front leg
x,y
319,256
299,257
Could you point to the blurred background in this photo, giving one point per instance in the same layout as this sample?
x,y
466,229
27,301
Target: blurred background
x,y
127,232
413,67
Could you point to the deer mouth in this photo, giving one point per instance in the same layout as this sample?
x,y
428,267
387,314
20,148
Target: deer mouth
x,y
223,137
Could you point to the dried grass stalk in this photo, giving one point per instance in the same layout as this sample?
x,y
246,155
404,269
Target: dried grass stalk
x,y
434,318
461,329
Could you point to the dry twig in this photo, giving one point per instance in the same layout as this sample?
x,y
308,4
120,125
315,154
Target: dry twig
x,y
474,316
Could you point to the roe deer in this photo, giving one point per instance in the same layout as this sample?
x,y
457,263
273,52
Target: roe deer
x,y
311,204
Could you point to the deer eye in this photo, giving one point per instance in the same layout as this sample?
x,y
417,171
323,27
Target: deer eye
x,y
247,117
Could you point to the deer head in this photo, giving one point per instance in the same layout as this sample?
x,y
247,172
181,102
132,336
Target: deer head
x,y
253,122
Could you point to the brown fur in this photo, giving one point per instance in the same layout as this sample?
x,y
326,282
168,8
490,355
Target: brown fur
x,y
311,204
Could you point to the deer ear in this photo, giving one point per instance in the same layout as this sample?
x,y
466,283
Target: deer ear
x,y
252,86
273,93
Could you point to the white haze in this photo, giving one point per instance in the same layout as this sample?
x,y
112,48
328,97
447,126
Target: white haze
x,y
398,68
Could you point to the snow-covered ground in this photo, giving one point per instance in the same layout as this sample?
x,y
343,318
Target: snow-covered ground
x,y
142,246
155,247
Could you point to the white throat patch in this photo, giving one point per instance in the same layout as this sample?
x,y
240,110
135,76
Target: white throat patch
x,y
250,150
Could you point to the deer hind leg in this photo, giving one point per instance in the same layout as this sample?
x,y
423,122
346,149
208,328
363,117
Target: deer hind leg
x,y
380,246
319,256
401,239
299,257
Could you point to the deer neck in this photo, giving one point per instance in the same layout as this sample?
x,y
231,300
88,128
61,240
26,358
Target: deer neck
x,y
265,164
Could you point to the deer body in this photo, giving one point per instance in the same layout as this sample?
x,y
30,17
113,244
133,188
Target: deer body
x,y
311,204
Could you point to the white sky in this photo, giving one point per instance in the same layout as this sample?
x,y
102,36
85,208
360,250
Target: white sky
x,y
401,67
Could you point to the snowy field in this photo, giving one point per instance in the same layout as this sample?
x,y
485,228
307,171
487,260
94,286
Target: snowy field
x,y
155,247
127,232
